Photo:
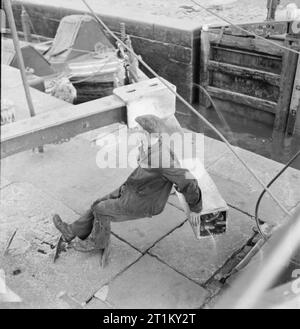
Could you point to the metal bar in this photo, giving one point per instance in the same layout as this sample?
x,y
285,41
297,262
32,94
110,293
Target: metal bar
x,y
61,124
250,287
10,17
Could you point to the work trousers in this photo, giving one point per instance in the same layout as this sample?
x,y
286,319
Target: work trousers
x,y
97,220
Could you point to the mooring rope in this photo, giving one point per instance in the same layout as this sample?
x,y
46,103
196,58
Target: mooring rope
x,y
244,30
191,108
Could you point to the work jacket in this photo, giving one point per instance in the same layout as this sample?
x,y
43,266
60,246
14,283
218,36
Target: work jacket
x,y
151,182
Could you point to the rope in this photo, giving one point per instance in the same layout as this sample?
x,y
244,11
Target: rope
x,y
244,30
192,109
264,191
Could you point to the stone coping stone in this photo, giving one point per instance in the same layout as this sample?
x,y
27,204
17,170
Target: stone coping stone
x,y
200,259
68,172
144,233
151,284
231,173
171,30
31,253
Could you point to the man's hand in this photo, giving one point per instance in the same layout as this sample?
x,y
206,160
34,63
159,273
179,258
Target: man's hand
x,y
195,218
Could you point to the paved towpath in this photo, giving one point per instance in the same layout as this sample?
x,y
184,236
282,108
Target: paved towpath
x,y
155,262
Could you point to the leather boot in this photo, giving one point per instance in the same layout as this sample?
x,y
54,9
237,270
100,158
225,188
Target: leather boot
x,y
64,228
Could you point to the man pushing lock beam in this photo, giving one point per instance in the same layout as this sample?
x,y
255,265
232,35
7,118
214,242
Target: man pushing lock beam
x,y
144,194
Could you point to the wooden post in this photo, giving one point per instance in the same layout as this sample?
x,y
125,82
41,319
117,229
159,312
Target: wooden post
x,y
10,17
295,103
288,72
11,20
204,60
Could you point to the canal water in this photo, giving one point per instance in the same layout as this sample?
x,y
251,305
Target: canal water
x,y
249,134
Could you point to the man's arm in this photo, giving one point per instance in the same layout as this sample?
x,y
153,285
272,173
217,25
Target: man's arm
x,y
186,185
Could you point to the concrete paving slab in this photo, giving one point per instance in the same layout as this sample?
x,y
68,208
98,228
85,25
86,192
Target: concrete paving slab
x,y
235,193
143,233
79,274
4,182
29,210
34,293
151,284
200,259
68,172
214,150
286,188
210,150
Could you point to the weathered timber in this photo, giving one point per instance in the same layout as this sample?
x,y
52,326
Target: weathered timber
x,y
293,124
250,87
244,112
264,62
254,102
286,88
60,124
263,29
271,78
248,43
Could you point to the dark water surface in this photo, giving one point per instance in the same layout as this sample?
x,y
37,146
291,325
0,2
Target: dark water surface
x,y
243,132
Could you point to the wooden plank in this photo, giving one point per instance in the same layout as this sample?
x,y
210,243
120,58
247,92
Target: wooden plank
x,y
257,103
264,29
248,43
271,78
290,60
60,124
249,87
265,62
294,112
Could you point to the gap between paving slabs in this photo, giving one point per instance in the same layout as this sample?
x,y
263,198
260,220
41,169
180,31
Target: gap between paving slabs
x,y
236,251
213,284
143,252
157,241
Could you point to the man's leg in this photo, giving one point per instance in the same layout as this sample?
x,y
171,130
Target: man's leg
x,y
83,226
104,212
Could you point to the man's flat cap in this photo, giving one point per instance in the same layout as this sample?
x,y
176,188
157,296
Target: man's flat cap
x,y
153,124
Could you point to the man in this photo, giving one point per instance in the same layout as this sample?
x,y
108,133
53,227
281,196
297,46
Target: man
x,y
144,194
